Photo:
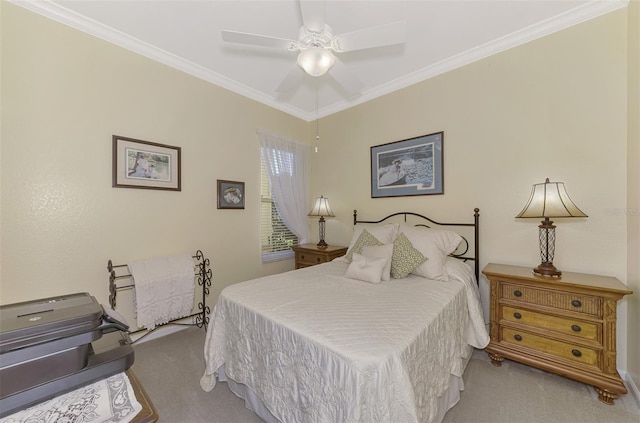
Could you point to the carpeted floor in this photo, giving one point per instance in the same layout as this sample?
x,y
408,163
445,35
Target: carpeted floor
x,y
170,368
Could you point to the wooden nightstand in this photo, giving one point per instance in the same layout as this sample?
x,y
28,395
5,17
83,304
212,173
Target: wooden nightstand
x,y
310,255
564,325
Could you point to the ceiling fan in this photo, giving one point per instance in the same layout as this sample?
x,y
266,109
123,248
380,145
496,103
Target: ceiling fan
x,y
317,44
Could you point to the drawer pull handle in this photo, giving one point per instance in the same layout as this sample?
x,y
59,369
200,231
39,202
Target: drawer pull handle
x,y
318,259
519,338
517,293
302,257
576,353
576,328
576,303
517,315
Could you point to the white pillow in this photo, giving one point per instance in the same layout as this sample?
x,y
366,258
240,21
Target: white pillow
x,y
435,245
366,269
381,251
383,232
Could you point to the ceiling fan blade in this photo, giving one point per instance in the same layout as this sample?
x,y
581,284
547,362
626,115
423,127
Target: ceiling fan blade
x,y
312,15
349,81
377,36
258,40
293,78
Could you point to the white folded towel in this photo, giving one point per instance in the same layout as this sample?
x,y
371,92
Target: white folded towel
x,y
164,289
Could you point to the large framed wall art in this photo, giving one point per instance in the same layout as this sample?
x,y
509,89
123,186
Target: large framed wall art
x,y
144,164
408,167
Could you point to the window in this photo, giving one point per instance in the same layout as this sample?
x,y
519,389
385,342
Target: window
x,y
276,238
285,193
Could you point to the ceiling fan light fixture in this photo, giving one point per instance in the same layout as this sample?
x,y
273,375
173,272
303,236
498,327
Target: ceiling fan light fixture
x,y
316,61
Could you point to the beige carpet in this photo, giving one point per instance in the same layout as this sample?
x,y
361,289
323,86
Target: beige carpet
x,y
170,367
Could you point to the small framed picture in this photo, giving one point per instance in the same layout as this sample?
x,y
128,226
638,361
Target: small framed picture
x,y
408,167
144,164
230,194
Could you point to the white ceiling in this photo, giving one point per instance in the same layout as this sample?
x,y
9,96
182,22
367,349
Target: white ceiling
x,y
442,35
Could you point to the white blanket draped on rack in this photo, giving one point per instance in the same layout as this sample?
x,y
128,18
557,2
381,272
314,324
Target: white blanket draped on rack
x,y
164,289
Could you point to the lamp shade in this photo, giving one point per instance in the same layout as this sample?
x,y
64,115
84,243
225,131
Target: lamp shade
x,y
316,61
550,199
321,207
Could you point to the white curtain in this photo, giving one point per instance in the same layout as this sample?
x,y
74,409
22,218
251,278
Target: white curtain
x,y
286,163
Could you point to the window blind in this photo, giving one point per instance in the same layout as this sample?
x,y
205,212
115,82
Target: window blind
x,y
276,238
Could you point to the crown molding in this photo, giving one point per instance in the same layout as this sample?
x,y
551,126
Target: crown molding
x,y
568,19
70,18
575,16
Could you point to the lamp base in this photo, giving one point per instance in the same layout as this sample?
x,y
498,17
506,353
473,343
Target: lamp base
x,y
547,269
321,245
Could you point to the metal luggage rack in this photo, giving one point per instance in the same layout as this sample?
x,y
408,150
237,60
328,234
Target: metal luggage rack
x,y
202,272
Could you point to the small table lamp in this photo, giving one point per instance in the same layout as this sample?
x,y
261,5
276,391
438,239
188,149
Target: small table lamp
x,y
321,208
549,199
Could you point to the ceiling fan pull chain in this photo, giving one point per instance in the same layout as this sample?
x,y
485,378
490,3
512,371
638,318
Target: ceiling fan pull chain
x,y
317,121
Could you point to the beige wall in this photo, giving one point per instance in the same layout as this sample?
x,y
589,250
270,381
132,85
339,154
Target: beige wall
x,y
555,107
633,192
64,94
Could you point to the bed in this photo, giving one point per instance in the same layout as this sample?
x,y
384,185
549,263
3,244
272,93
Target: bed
x,y
369,337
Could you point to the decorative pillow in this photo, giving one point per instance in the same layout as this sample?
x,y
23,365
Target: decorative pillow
x,y
366,269
405,257
436,245
383,232
364,240
381,251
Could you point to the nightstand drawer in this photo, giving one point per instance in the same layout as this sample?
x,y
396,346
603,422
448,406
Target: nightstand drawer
x,y
305,257
578,303
575,353
310,255
564,325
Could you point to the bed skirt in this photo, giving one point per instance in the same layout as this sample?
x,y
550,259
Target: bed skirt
x,y
252,402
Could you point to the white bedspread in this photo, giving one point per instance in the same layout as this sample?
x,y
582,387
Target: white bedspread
x,y
318,347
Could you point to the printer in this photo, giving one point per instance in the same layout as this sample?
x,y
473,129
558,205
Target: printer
x,y
54,345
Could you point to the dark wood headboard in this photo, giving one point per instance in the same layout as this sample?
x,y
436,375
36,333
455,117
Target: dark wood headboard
x,y
463,252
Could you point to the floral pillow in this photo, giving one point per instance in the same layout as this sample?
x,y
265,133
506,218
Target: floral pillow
x,y
364,240
405,257
383,232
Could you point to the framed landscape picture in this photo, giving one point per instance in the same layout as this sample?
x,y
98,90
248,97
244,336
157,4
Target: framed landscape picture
x,y
408,167
230,194
144,164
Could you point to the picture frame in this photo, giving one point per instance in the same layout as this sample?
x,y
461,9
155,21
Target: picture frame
x,y
145,165
230,194
408,167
